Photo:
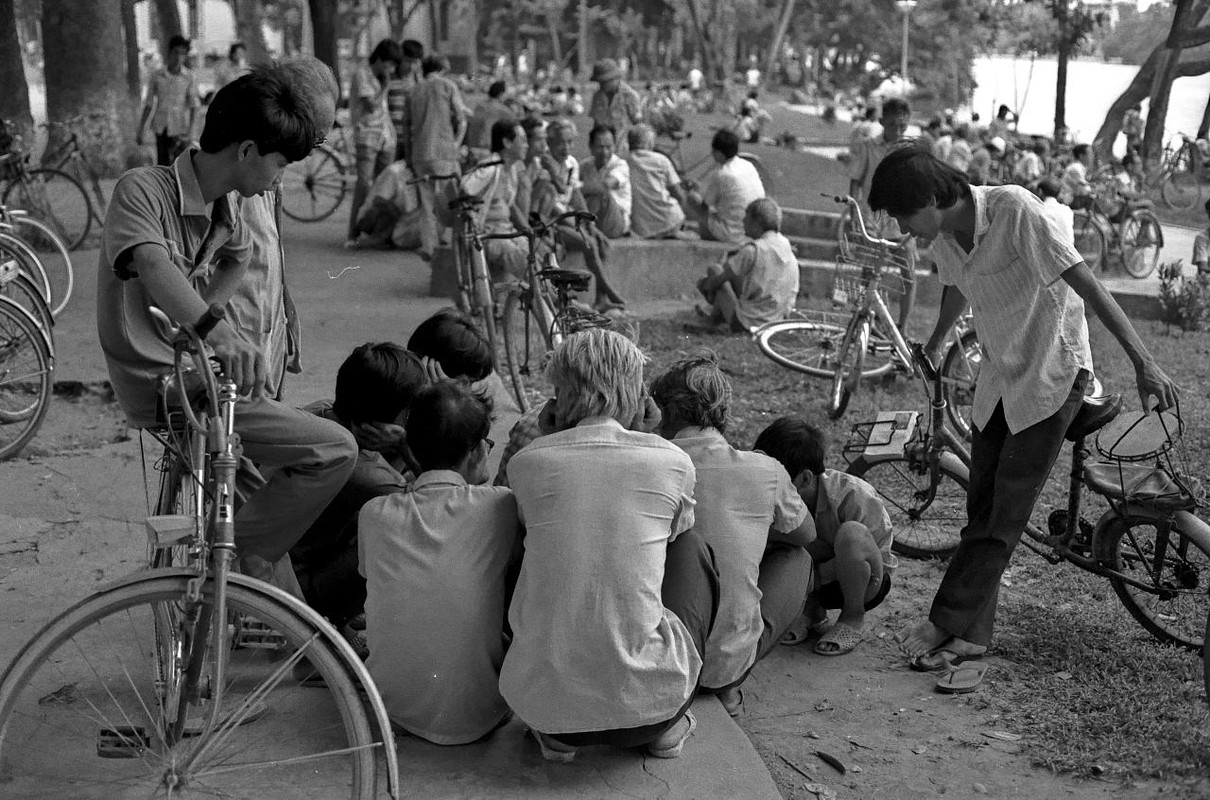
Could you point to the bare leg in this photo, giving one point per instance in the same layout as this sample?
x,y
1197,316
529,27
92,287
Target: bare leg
x,y
859,570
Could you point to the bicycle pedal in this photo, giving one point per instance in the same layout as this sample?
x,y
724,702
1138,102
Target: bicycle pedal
x,y
166,530
123,742
253,634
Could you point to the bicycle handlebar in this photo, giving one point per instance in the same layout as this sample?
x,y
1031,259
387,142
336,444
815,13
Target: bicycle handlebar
x,y
855,207
188,338
539,229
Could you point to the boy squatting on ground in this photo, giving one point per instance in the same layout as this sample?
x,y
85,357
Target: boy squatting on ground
x,y
173,227
758,282
748,512
435,558
852,549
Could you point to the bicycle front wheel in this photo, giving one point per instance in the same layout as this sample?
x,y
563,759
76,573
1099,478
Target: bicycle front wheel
x,y
57,199
959,372
849,360
1090,240
315,187
26,378
1181,190
814,347
85,692
52,253
21,290
922,527
1177,569
527,328
1141,239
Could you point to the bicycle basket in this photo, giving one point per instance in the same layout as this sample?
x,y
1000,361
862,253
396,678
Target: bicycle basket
x,y
1132,439
1135,436
862,262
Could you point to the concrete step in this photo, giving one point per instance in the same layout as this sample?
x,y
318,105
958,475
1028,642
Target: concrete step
x,y
800,222
813,248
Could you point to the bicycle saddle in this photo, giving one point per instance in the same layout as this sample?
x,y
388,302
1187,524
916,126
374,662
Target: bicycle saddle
x,y
572,279
1094,414
1142,483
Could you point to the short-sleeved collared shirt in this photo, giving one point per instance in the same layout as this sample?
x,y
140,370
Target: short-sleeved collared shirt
x,y
1075,179
614,178
162,206
432,115
568,178
174,97
373,128
768,270
434,559
497,184
623,111
1201,248
593,646
398,90
1061,214
1028,168
654,211
740,496
1031,324
729,190
843,498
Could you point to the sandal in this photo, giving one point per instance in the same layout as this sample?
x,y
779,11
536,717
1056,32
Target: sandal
x,y
668,744
941,658
963,677
840,639
803,629
552,749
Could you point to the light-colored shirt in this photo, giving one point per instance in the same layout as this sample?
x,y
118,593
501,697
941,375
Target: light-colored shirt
x,y
1075,179
432,116
623,110
398,90
1062,214
161,206
497,185
371,128
768,269
740,495
727,193
568,177
654,211
695,79
434,559
843,498
612,179
593,646
1028,167
1031,324
960,155
1201,248
172,98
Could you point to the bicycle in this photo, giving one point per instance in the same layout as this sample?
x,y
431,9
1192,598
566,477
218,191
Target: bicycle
x,y
1113,223
48,194
137,685
838,345
696,172
27,366
57,275
540,309
1152,549
313,188
69,153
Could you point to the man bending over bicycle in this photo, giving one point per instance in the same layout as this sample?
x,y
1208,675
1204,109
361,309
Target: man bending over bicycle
x,y
171,228
1027,286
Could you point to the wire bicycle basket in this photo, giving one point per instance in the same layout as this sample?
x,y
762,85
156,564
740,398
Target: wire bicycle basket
x,y
1145,462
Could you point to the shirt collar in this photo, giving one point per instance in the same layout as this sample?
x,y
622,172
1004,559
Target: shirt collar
x,y
189,191
439,477
979,198
694,432
600,420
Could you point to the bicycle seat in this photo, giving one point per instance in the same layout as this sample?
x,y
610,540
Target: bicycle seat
x,y
676,136
573,280
1094,414
1142,483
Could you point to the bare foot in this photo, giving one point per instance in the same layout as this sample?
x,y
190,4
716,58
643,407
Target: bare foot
x,y
922,638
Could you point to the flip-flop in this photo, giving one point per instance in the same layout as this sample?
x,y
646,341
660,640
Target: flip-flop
x,y
941,658
800,631
963,677
842,636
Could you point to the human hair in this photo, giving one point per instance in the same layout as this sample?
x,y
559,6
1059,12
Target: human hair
x,y
1049,187
895,107
641,137
597,372
600,128
412,49
235,48
532,124
452,339
267,106
434,63
377,382
696,391
447,420
314,80
766,213
503,130
725,142
1079,151
909,178
1040,147
795,444
497,89
870,113
1002,111
387,50
561,124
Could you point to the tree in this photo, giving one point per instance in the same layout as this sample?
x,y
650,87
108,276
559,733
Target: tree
x,y
14,100
85,74
1136,33
323,33
249,16
169,16
1183,34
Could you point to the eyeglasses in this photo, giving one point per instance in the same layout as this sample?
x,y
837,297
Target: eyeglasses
x,y
490,443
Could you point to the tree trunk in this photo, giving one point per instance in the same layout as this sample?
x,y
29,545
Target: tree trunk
x,y
779,33
169,17
248,17
552,25
1161,85
1061,80
323,33
14,100
704,45
130,40
82,44
1203,130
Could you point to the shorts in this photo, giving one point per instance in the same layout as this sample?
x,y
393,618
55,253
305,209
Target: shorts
x,y
830,596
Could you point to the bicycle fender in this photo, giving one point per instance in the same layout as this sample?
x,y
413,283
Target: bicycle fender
x,y
1188,524
948,460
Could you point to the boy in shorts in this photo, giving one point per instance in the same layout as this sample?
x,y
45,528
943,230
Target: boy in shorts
x,y
852,552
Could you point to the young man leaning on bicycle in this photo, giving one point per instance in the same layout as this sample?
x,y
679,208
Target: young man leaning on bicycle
x,y
171,228
1027,286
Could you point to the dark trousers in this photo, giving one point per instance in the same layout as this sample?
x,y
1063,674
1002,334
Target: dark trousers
x,y
691,591
1008,471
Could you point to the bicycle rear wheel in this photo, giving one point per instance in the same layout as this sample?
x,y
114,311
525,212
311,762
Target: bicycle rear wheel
x,y
959,372
1141,239
26,369
84,692
922,528
21,290
527,326
1181,190
52,252
1176,612
57,199
315,187
1090,240
15,248
814,347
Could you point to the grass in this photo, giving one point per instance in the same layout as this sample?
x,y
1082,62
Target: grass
x,y
1098,696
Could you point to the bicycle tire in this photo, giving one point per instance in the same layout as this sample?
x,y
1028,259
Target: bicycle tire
x,y
1206,660
1089,239
483,307
103,696
462,271
52,253
22,291
766,177
848,372
1141,239
26,377
1176,616
312,189
527,333
810,347
959,373
57,199
1181,190
16,248
919,529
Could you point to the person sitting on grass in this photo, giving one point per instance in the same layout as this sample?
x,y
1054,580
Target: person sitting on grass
x,y
750,514
757,283
852,550
656,194
434,559
729,190
606,183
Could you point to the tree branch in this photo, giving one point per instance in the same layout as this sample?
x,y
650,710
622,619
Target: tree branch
x,y
1195,37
